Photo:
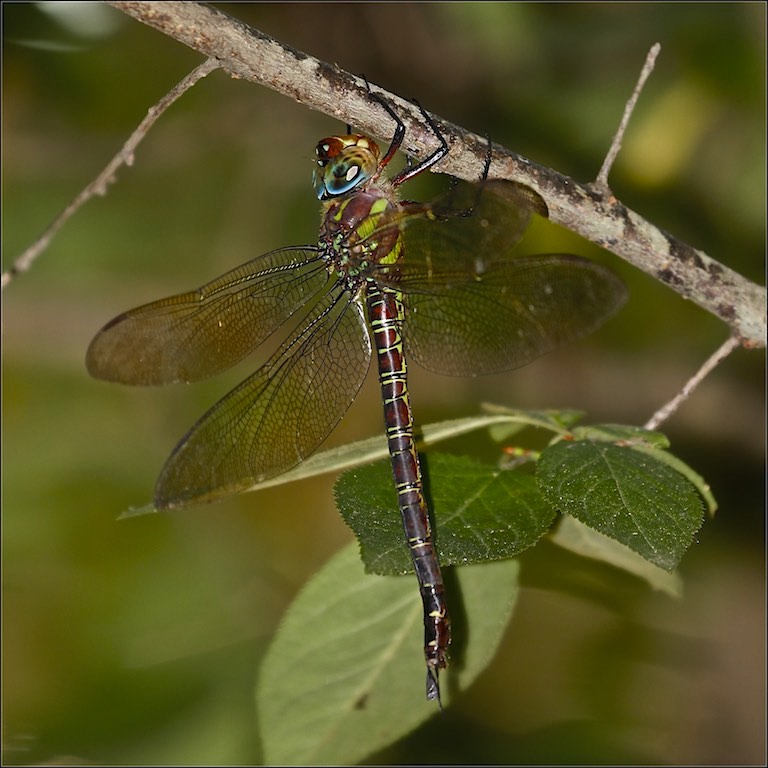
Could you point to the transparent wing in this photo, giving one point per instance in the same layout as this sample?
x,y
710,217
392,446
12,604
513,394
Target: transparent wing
x,y
471,308
197,334
464,230
278,416
508,315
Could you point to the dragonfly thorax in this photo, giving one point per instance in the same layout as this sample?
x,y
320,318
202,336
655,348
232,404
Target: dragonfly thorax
x,y
359,232
344,163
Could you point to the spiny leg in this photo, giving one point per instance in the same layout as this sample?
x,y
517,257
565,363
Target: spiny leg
x,y
411,170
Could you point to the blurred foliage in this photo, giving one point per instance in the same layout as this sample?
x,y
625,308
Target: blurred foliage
x,y
139,641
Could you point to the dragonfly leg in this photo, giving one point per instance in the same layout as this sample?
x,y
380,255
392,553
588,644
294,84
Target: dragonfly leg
x,y
430,160
399,135
488,155
412,169
470,209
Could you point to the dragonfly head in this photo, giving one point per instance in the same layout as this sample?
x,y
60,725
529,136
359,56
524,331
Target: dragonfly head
x,y
343,164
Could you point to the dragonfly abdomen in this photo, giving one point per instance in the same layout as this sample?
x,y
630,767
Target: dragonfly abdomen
x,y
385,313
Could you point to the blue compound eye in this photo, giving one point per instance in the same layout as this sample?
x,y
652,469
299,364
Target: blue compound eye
x,y
343,164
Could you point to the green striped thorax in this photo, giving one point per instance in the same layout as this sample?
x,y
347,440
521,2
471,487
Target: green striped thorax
x,y
352,237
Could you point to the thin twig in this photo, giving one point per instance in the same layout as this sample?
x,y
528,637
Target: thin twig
x,y
601,182
100,184
665,412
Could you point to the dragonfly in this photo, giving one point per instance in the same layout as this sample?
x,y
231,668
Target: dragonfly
x,y
388,278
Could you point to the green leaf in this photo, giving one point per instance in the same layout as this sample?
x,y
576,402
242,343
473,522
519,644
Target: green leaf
x,y
651,442
559,421
147,509
509,421
693,477
374,448
345,673
582,540
480,513
629,495
371,449
621,433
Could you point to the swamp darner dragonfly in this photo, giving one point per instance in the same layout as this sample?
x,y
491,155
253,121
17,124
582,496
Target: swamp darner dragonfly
x,y
434,280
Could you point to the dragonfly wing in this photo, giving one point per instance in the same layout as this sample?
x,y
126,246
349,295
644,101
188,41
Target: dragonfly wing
x,y
468,223
489,216
505,316
197,334
277,417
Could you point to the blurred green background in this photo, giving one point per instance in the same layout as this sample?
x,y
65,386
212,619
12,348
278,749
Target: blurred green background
x,y
139,641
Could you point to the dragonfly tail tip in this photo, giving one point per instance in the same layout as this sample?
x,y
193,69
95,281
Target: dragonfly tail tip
x,y
433,687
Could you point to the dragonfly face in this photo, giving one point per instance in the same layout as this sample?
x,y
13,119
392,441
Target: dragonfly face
x,y
433,282
344,163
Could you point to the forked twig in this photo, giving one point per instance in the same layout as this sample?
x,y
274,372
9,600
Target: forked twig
x,y
664,413
601,181
100,184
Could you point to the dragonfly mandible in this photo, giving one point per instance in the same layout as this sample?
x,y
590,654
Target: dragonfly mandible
x,y
430,281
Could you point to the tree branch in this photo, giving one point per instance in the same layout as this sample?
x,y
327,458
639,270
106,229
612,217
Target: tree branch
x,y
585,209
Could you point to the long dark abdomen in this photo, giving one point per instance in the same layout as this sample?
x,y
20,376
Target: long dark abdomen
x,y
385,313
